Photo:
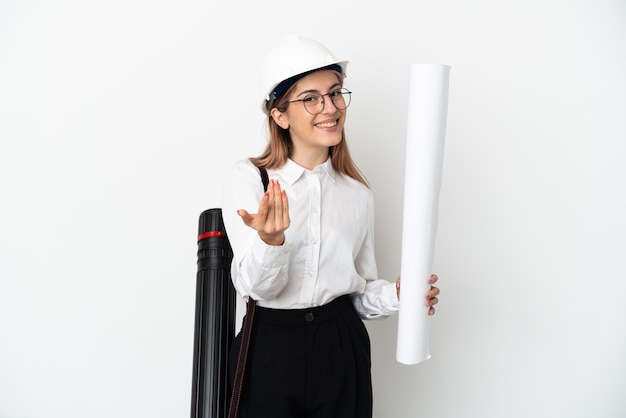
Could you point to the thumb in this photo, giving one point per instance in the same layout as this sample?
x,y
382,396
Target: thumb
x,y
245,217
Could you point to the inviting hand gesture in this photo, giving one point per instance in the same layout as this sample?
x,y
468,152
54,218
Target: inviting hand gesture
x,y
272,219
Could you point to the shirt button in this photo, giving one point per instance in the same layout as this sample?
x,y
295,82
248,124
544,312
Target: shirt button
x,y
309,317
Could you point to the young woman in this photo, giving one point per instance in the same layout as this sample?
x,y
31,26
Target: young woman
x,y
304,249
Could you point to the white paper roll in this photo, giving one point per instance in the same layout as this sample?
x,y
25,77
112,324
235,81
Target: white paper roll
x,y
426,129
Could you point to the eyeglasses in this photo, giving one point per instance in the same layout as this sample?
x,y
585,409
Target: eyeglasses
x,y
314,102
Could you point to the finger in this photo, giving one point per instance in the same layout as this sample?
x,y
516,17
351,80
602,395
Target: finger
x,y
286,219
434,291
431,311
271,226
433,279
263,209
431,302
245,217
398,287
277,200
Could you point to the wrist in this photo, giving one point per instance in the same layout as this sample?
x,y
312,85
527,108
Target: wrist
x,y
273,240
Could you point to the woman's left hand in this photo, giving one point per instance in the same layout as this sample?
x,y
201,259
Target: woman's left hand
x,y
431,295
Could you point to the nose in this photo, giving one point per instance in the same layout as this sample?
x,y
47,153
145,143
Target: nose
x,y
329,105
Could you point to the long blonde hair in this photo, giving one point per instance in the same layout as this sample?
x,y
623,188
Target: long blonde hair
x,y
279,146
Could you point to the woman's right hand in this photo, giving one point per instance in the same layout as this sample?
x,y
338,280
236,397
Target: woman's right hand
x,y
272,219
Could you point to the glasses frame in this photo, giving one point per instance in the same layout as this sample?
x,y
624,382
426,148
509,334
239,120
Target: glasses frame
x,y
343,91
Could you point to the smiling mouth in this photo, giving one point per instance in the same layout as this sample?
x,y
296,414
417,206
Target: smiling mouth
x,y
326,124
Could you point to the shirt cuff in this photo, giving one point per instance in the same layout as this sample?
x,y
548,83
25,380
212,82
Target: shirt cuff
x,y
389,297
271,256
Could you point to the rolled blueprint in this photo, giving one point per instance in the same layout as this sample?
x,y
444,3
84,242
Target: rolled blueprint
x,y
426,129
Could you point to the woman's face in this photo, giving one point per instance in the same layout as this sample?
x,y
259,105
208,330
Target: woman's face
x,y
313,133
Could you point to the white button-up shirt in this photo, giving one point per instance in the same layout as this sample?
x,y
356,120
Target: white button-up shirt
x,y
329,246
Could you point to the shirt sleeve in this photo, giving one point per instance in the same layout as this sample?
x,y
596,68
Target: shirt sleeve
x,y
258,270
379,298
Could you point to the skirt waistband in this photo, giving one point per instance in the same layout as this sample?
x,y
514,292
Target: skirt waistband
x,y
304,316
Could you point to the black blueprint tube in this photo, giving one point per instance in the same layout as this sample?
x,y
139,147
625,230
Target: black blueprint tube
x,y
214,320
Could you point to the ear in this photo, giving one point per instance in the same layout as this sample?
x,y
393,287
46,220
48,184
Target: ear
x,y
280,118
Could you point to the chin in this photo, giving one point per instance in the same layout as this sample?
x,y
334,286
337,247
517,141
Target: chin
x,y
334,142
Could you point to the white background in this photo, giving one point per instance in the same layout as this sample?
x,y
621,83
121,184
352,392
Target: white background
x,y
119,118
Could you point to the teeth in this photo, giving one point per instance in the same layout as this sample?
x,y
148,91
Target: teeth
x,y
327,124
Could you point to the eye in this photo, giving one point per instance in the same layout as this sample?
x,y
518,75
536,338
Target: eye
x,y
335,94
311,98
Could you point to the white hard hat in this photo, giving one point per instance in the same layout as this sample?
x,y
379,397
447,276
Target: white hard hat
x,y
294,56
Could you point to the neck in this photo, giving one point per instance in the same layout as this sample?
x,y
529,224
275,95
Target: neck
x,y
310,160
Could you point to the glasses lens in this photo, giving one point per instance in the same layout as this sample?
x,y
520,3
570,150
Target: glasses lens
x,y
313,103
341,98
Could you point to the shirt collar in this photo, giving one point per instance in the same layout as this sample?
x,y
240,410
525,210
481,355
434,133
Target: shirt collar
x,y
291,171
329,169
